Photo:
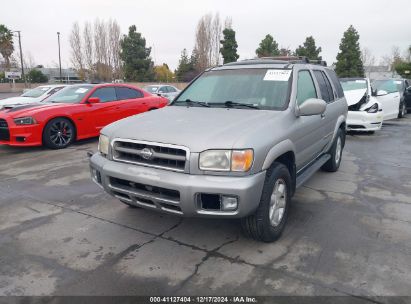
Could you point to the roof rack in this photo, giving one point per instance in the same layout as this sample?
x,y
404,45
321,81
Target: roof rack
x,y
294,59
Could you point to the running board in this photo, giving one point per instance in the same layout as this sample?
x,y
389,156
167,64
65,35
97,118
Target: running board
x,y
308,172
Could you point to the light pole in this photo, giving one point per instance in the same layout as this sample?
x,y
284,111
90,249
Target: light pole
x,y
58,39
21,58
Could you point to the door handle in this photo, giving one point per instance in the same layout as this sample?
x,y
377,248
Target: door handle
x,y
323,115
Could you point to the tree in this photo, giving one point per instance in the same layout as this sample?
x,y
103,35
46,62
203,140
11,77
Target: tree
x,y
268,47
403,68
77,54
88,47
229,46
186,70
138,65
6,44
349,63
309,49
163,73
37,76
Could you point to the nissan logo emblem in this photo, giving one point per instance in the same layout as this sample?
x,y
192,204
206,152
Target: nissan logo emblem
x,y
146,153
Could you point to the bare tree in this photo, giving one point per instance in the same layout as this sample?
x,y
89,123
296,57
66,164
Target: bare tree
x,y
102,63
367,58
216,30
228,23
114,36
77,53
207,41
88,47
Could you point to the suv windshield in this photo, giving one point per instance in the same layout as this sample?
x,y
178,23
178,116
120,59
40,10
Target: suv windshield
x,y
260,88
72,94
37,92
353,84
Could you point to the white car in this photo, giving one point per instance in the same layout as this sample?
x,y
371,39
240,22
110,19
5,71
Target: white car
x,y
166,91
37,94
365,112
386,91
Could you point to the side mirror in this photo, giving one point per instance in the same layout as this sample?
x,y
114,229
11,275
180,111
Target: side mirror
x,y
381,93
312,106
408,90
93,100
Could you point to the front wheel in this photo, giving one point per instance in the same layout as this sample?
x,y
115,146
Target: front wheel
x,y
333,164
58,133
403,111
268,221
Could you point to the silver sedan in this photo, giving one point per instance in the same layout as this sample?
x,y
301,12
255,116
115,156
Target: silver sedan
x,y
166,91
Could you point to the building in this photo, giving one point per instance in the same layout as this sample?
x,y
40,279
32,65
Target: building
x,y
53,74
380,72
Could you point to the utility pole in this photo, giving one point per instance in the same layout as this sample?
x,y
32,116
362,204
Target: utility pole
x,y
58,38
21,59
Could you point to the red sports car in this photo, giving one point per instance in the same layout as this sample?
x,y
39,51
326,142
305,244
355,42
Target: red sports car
x,y
75,112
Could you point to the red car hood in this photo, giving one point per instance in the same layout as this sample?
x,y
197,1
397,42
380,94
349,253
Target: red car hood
x,y
32,109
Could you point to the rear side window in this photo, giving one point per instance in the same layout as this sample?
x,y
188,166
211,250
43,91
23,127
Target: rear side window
x,y
336,83
127,93
325,86
171,89
105,94
305,87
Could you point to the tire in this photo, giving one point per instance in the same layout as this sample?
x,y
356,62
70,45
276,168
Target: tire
x,y
403,110
334,162
59,133
259,226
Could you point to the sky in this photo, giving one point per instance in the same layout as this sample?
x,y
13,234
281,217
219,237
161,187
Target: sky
x,y
169,26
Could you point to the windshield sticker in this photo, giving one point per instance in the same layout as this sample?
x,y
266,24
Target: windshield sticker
x,y
44,89
81,90
360,81
277,75
397,81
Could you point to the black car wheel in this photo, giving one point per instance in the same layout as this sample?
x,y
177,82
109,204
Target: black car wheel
x,y
58,133
268,221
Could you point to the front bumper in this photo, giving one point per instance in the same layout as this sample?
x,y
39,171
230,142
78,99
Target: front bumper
x,y
364,121
24,135
157,188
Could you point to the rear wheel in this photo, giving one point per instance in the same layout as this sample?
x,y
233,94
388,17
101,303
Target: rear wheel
x,y
268,221
58,133
334,162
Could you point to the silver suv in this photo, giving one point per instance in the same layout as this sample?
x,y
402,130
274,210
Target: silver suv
x,y
236,143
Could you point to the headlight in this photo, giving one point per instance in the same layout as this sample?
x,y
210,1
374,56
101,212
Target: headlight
x,y
103,143
25,121
226,160
373,108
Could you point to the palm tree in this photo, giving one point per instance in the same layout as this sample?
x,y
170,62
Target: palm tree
x,y
6,44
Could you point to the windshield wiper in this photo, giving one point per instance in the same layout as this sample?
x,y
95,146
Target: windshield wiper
x,y
232,104
189,101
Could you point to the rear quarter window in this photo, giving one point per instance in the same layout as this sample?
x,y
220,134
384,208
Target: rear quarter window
x,y
336,83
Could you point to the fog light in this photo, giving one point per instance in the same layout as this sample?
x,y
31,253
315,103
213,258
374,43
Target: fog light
x,y
95,175
229,203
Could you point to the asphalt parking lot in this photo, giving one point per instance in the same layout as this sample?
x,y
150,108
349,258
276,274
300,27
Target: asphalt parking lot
x,y
349,233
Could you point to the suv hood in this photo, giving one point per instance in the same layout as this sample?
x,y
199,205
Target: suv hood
x,y
197,128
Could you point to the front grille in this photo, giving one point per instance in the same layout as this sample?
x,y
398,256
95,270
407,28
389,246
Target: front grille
x,y
150,154
146,195
4,130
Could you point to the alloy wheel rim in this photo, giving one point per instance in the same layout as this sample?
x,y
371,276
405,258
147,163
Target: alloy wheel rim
x,y
277,202
60,133
338,149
